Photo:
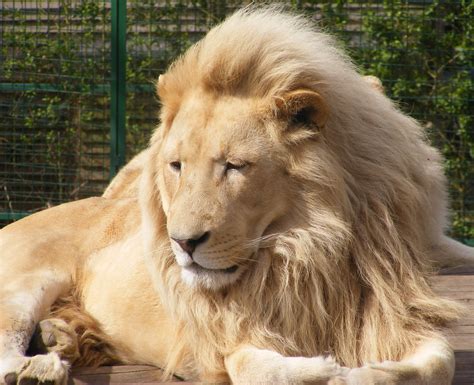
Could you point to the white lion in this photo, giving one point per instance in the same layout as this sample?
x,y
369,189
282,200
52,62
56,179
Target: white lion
x,y
279,229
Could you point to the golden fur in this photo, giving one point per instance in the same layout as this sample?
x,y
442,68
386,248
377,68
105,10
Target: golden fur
x,y
321,204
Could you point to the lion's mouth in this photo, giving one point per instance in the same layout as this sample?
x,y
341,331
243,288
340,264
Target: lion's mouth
x,y
195,267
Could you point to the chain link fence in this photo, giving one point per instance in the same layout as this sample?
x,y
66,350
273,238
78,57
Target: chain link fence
x,y
66,124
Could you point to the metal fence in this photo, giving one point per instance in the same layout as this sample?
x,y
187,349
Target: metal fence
x,y
76,94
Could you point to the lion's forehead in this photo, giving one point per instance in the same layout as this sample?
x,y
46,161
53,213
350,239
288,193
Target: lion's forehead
x,y
225,128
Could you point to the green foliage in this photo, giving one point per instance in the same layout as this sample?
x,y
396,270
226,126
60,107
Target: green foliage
x,y
424,57
54,58
54,140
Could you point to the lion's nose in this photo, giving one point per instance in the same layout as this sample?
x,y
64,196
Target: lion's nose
x,y
189,245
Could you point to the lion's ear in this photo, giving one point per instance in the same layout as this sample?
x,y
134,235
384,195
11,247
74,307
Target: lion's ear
x,y
375,83
303,107
160,84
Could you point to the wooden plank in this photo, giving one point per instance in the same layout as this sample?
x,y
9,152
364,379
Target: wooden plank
x,y
461,336
460,288
126,374
460,270
464,368
150,375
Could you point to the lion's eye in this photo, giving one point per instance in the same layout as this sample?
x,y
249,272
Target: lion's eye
x,y
176,166
235,166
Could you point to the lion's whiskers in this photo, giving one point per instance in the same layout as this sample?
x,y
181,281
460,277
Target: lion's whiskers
x,y
260,241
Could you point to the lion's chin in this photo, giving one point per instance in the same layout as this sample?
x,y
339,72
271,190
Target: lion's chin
x,y
196,276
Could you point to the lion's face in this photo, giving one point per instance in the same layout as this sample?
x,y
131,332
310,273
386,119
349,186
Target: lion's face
x,y
221,187
223,184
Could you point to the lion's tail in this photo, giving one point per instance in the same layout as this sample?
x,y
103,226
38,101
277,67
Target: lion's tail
x,y
95,347
450,253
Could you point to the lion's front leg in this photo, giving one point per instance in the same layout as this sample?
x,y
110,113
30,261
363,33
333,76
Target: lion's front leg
x,y
57,343
431,364
39,258
37,370
250,365
23,302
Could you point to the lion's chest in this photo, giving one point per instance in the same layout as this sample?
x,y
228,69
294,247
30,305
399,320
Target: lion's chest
x,y
118,292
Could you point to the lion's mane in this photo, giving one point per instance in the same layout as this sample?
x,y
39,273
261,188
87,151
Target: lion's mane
x,y
351,280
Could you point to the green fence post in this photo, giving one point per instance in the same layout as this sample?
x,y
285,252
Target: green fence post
x,y
117,86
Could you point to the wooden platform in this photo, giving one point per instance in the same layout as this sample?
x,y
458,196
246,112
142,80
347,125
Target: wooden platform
x,y
457,284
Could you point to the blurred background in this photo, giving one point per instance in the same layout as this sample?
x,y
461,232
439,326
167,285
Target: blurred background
x,y
77,97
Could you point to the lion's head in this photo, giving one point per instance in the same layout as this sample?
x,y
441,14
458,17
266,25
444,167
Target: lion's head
x,y
294,190
226,176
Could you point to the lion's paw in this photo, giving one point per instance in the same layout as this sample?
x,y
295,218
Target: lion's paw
x,y
319,369
338,380
46,369
55,335
326,366
386,373
329,366
394,367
